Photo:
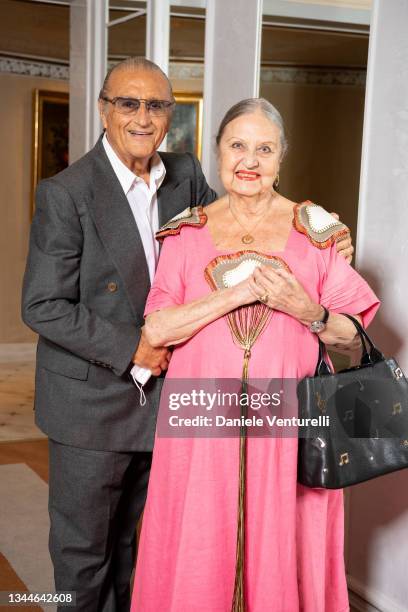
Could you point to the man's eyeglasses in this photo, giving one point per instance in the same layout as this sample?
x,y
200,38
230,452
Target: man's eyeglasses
x,y
127,106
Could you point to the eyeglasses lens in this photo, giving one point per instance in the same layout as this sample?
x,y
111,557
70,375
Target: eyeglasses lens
x,y
128,106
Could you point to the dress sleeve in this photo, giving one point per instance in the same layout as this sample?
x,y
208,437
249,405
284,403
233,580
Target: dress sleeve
x,y
344,290
168,286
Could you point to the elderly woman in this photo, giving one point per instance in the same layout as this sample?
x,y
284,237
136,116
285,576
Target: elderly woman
x,y
294,535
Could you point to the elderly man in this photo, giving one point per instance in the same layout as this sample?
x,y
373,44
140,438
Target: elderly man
x,y
92,258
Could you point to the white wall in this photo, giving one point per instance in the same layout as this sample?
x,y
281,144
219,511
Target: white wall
x,y
378,520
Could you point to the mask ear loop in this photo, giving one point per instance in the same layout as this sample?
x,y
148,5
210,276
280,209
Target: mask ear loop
x,y
135,372
142,395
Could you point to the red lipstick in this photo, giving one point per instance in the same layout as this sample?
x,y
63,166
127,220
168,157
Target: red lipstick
x,y
246,175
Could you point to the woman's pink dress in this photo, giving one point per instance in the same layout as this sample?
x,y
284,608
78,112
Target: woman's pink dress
x,y
294,535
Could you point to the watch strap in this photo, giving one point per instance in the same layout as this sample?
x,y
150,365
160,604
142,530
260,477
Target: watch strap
x,y
326,315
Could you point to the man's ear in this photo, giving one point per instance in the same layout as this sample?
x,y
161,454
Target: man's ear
x,y
101,108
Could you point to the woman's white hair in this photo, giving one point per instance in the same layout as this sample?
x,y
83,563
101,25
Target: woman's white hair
x,y
252,105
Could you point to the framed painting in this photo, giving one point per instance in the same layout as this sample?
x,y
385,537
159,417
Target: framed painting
x,y
50,135
186,125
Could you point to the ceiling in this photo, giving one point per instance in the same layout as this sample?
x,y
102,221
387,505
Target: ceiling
x,y
42,30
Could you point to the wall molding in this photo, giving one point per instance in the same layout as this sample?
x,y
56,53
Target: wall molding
x,y
373,599
186,70
313,76
301,75
359,604
28,67
183,70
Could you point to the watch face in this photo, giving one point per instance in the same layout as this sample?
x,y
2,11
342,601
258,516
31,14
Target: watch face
x,y
317,326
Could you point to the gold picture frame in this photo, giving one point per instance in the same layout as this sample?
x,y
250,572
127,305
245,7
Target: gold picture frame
x,y
186,128
50,135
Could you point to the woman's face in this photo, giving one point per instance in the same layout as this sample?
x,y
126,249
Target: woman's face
x,y
249,155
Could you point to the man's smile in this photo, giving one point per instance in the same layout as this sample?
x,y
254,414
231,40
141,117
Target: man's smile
x,y
139,133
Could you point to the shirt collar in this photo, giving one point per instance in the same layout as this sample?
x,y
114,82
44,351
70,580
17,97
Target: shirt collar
x,y
126,177
157,170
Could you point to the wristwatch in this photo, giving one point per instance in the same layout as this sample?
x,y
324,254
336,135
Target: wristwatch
x,y
318,326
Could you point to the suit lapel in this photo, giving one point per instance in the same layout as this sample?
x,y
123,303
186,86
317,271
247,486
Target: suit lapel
x,y
118,230
117,227
173,197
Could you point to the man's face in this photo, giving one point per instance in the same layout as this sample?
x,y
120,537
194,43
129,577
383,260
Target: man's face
x,y
137,136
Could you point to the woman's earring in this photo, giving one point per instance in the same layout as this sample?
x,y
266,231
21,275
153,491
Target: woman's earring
x,y
276,182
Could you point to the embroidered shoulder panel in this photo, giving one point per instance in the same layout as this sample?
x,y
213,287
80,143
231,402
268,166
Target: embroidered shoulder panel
x,y
318,225
193,216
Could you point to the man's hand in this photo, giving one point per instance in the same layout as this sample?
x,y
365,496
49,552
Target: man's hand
x,y
345,245
155,359
355,345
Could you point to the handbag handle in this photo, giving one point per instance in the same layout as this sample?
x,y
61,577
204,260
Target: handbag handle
x,y
374,355
368,357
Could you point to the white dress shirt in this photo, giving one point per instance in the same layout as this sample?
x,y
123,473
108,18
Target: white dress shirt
x,y
142,200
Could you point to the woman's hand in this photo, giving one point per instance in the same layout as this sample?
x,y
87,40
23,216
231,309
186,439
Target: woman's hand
x,y
175,324
284,292
245,292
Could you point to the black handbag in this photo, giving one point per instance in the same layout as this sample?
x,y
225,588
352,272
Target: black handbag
x,y
367,410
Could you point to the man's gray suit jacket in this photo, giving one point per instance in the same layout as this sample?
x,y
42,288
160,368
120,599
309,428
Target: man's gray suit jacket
x,y
84,293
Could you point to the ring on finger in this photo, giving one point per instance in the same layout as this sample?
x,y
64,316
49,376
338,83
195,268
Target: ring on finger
x,y
264,298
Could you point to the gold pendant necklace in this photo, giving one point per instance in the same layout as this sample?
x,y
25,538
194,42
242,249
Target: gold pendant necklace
x,y
247,238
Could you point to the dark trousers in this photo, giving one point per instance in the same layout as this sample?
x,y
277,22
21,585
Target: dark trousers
x,y
95,501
